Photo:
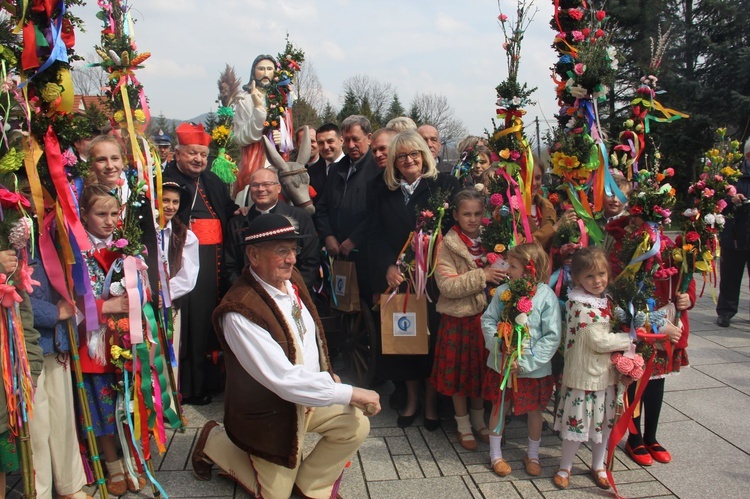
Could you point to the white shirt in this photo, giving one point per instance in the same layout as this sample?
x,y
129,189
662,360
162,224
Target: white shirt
x,y
328,165
184,280
264,360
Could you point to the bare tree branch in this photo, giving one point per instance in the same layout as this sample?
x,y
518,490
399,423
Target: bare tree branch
x,y
88,80
309,88
369,89
434,110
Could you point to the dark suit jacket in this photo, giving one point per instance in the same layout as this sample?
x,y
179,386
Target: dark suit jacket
x,y
308,261
317,172
391,221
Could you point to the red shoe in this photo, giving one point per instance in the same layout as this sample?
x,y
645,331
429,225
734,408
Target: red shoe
x,y
644,458
659,453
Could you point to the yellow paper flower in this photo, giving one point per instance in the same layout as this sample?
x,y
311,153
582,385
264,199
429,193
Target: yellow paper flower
x,y
506,296
126,354
687,247
493,291
116,351
51,91
677,255
505,153
140,116
119,116
499,248
220,133
562,163
707,256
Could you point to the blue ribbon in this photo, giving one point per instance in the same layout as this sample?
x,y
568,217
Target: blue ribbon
x,y
82,287
59,50
285,83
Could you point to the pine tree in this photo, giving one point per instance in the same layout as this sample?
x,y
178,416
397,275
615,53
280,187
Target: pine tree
x,y
329,114
415,114
305,114
395,109
351,106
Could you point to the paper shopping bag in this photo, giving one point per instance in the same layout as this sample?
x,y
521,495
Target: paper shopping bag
x,y
345,292
403,320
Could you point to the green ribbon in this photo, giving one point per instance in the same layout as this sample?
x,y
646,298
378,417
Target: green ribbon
x,y
595,233
160,368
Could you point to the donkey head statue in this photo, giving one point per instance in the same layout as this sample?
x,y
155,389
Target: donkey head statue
x,y
294,179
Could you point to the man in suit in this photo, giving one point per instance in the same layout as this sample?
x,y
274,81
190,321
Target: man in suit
x,y
381,139
342,213
330,149
264,191
431,135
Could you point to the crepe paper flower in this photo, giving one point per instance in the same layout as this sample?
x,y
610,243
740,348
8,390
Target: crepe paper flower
x,y
479,187
486,221
139,116
496,199
499,248
119,116
522,319
669,172
720,205
575,14
25,281
502,18
126,354
692,236
687,247
110,323
636,210
115,351
598,33
492,258
677,255
492,292
506,46
506,296
505,153
427,214
600,15
51,92
708,193
578,92
720,220
69,158
710,219
553,198
579,68
524,305
577,36
663,212
504,329
514,155
121,243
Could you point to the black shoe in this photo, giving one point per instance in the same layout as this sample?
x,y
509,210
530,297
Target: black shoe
x,y
406,421
431,424
722,321
200,400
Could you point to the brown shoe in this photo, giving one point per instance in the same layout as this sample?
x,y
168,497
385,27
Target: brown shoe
x,y
467,441
482,434
501,467
136,487
118,488
201,464
600,481
561,482
533,467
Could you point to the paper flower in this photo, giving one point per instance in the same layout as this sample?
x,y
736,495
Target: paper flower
x,y
524,305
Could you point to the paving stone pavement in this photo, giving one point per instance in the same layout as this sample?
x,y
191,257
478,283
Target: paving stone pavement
x,y
703,424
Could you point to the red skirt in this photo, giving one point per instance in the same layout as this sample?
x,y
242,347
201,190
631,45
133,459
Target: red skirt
x,y
532,394
460,357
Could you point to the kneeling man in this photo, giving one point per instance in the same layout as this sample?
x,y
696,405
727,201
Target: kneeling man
x,y
279,380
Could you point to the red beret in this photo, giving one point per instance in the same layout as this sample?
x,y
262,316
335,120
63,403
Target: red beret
x,y
192,134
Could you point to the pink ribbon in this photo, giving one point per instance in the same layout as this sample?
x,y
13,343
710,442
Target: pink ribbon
x,y
584,235
131,266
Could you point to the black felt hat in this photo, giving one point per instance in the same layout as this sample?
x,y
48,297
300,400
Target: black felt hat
x,y
270,227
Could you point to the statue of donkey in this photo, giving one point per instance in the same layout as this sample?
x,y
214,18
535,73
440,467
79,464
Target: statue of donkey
x,y
295,181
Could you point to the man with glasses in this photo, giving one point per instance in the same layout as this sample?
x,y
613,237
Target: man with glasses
x,y
207,214
280,384
342,213
264,191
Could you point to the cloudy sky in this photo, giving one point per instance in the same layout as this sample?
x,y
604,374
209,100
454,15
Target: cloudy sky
x,y
448,47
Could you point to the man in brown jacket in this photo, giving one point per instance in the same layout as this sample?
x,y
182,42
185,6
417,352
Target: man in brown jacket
x,y
279,380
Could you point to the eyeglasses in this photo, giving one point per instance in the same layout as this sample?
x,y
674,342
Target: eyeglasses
x,y
264,185
414,155
284,253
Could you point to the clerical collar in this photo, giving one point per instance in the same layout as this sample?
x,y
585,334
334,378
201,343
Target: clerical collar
x,y
264,212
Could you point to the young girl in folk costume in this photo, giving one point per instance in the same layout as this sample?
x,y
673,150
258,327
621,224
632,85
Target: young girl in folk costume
x,y
530,385
644,449
100,211
586,410
179,245
462,277
107,158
